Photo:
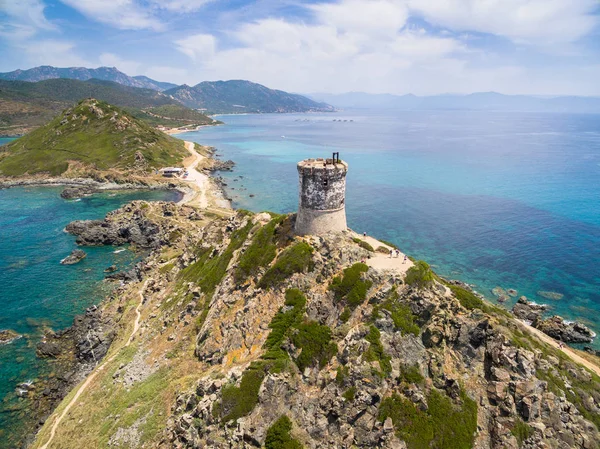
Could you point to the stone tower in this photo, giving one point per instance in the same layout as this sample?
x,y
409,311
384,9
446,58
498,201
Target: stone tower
x,y
321,205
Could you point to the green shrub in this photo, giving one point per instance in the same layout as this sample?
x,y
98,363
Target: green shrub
x,y
295,259
260,253
363,244
278,435
283,321
315,342
239,401
341,374
345,315
420,275
412,425
468,299
375,353
521,431
443,426
350,287
350,394
411,374
383,250
402,316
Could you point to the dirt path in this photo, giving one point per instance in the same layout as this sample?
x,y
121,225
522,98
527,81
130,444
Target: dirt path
x,y
99,368
565,349
382,261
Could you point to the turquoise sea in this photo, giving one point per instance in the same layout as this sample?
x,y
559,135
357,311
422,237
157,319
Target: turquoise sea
x,y
493,199
36,291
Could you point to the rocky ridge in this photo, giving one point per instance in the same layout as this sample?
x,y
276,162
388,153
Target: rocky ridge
x,y
249,334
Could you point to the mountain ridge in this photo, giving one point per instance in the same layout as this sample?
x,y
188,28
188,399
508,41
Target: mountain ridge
x,y
42,73
243,96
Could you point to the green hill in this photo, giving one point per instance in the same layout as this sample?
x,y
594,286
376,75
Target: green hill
x,y
26,105
94,134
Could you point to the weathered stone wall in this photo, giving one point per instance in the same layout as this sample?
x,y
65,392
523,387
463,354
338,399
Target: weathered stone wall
x,y
322,191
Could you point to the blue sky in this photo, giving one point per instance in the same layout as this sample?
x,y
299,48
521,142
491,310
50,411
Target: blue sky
x,y
379,46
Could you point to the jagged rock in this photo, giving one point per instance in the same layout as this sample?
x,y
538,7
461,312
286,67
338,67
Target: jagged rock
x,y
568,332
7,335
70,193
76,255
527,310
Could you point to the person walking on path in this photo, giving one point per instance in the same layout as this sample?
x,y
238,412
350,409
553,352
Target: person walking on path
x,y
405,257
391,253
365,234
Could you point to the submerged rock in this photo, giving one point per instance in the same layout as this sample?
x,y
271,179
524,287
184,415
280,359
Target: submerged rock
x,y
551,295
76,255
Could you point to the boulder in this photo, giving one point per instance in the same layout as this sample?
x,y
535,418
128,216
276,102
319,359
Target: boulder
x,y
76,256
569,332
71,193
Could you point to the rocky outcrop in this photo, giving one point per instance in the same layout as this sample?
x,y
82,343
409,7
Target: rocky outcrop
x,y
76,255
8,335
71,193
569,332
218,165
130,224
353,357
527,310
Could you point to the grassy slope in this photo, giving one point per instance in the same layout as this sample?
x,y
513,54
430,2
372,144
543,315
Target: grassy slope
x,y
104,140
25,105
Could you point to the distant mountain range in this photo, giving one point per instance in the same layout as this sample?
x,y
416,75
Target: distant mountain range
x,y
242,96
47,72
490,101
224,97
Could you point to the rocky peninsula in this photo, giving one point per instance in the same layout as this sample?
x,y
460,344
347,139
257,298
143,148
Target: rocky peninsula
x,y
235,330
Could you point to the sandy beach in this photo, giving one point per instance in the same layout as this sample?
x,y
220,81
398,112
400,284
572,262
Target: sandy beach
x,y
203,192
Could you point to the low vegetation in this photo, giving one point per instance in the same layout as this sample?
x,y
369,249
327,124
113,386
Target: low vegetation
x,y
363,244
314,340
350,287
444,425
403,318
261,251
521,431
420,275
95,134
295,259
278,435
376,353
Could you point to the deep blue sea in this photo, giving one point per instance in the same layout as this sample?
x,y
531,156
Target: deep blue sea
x,y
36,291
493,199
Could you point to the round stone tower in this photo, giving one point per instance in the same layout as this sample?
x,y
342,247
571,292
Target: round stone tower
x,y
322,205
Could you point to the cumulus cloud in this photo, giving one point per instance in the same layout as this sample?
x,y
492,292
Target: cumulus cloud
x,y
527,21
53,52
24,19
180,6
198,47
122,14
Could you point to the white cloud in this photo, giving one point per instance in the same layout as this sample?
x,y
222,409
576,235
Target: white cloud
x,y
198,47
180,6
373,17
542,22
122,14
25,18
53,52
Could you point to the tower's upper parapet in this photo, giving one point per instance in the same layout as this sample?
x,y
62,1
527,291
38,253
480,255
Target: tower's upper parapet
x,y
322,195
